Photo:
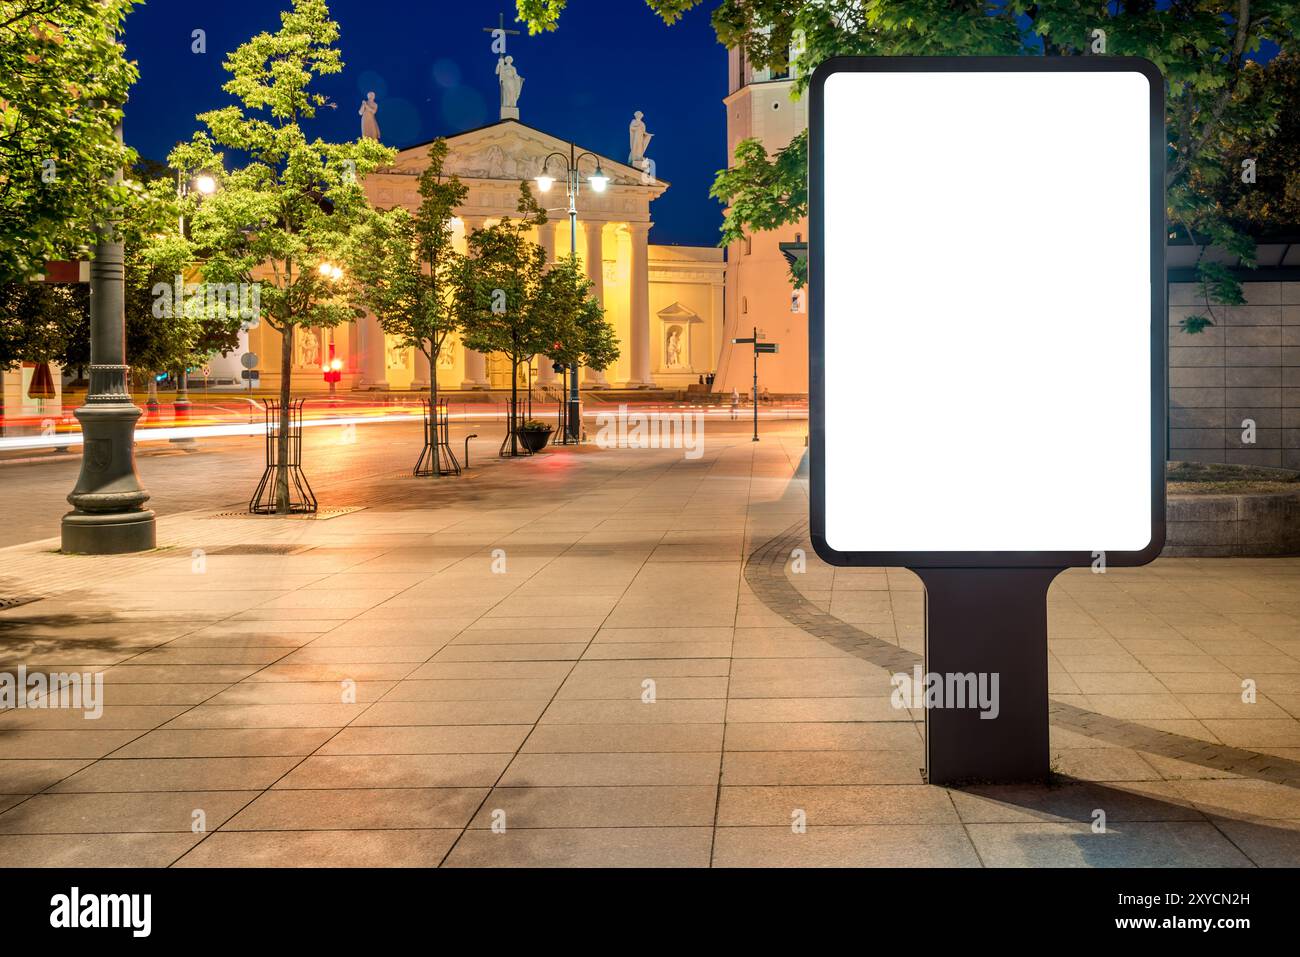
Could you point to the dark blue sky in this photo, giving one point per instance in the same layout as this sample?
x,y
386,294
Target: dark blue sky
x,y
431,67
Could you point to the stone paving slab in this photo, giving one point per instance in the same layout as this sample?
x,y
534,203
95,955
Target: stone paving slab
x,y
605,657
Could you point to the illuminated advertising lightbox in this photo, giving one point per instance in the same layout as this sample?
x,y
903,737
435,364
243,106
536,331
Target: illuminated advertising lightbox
x,y
987,311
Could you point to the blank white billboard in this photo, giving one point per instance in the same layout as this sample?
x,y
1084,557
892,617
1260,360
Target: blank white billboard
x,y
984,268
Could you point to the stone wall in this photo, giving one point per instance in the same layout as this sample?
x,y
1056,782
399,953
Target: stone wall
x,y
1232,525
1245,367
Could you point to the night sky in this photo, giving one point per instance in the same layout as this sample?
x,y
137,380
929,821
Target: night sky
x,y
431,67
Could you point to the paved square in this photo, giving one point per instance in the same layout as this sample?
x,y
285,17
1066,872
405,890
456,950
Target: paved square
x,y
614,657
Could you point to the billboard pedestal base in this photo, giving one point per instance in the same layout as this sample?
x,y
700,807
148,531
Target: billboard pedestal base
x,y
985,686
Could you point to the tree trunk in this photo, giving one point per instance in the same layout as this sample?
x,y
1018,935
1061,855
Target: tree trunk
x,y
514,405
434,434
282,440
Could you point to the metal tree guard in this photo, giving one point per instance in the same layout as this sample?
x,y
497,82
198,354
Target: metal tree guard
x,y
302,501
437,458
511,445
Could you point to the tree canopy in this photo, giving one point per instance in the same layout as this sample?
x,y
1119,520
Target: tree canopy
x,y
407,268
282,219
63,79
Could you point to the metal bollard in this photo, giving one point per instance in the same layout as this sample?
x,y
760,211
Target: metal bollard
x,y
467,438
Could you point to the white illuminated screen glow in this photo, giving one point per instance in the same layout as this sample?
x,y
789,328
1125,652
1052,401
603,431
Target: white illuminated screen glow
x,y
987,311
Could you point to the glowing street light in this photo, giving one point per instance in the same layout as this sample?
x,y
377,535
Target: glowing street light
x,y
205,184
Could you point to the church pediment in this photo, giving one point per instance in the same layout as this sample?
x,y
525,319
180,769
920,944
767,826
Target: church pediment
x,y
511,151
678,313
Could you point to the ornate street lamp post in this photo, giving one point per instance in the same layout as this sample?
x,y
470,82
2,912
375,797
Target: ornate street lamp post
x,y
598,181
108,515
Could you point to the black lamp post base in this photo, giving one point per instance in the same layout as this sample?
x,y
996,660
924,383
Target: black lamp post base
x,y
87,533
574,422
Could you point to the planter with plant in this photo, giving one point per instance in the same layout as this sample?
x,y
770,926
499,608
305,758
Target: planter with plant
x,y
533,434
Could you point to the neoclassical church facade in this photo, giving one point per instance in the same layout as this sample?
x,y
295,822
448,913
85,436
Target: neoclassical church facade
x,y
665,303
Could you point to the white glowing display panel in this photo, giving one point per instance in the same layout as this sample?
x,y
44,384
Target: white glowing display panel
x,y
985,258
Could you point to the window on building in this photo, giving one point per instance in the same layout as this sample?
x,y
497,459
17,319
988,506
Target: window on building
x,y
744,305
749,245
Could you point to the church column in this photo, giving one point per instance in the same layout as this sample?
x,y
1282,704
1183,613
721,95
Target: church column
x,y
639,307
475,362
595,378
546,239
717,325
374,371
421,381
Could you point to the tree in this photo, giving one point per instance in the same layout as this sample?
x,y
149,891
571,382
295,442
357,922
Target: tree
x,y
63,78
1217,97
282,220
407,268
166,331
572,324
39,319
1270,198
167,328
500,295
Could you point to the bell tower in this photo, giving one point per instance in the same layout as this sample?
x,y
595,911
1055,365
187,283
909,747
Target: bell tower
x,y
759,289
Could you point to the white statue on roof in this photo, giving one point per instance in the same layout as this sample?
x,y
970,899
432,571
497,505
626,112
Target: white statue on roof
x,y
639,140
369,125
511,85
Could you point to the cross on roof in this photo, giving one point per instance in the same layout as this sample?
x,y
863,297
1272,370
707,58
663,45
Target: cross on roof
x,y
501,25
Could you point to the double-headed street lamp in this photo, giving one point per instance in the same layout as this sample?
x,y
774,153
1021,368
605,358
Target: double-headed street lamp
x,y
573,182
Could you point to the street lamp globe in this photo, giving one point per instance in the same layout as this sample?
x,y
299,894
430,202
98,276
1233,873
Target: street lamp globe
x,y
598,180
205,184
544,183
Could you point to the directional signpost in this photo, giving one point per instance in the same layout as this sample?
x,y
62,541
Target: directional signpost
x,y
987,388
760,348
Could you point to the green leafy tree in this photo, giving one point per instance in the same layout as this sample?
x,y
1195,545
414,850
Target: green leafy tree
x,y
572,324
762,192
282,219
1269,199
1217,97
407,269
165,332
63,77
501,297
167,328
39,319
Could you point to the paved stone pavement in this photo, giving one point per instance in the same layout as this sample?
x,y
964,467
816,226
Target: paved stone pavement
x,y
615,655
